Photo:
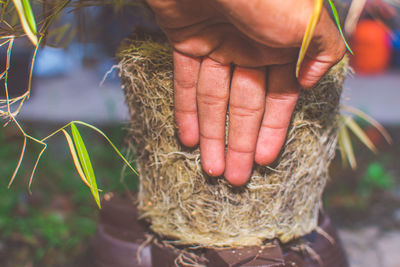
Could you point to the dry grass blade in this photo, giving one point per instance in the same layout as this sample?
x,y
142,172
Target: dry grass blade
x,y
370,120
345,141
36,164
353,126
312,23
86,163
19,163
353,15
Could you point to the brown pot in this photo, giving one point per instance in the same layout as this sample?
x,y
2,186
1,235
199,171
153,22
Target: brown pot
x,y
120,238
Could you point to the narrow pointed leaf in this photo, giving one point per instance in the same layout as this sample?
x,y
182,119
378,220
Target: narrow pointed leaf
x,y
109,141
75,158
29,15
23,17
347,146
312,23
85,163
370,120
353,126
342,153
340,143
337,21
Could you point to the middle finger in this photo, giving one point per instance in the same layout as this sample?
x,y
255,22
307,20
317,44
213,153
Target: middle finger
x,y
246,106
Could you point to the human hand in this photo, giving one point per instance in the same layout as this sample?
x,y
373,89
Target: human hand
x,y
242,55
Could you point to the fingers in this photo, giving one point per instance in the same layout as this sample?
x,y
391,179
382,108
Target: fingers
x,y
212,99
246,106
282,94
186,71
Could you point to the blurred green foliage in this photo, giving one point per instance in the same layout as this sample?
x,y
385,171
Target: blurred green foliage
x,y
60,216
375,177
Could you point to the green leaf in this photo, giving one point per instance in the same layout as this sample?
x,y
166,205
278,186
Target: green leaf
x,y
75,158
370,120
109,141
337,21
29,15
85,163
353,126
27,19
345,141
341,145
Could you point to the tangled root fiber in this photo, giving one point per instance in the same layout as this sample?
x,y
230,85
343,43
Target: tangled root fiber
x,y
186,206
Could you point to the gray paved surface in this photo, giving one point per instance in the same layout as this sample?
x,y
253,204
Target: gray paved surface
x,y
79,96
378,95
76,96
371,247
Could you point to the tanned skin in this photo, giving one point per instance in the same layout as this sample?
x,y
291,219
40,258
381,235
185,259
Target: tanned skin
x,y
240,56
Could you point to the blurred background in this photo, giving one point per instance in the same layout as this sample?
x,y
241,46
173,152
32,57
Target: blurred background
x,y
74,79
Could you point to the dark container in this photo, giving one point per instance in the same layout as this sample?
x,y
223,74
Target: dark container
x,y
120,241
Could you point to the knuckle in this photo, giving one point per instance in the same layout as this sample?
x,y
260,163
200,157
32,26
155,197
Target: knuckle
x,y
185,84
240,149
212,99
209,136
283,97
242,111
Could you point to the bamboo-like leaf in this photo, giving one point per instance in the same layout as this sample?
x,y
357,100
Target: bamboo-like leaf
x,y
312,23
340,142
370,120
29,15
342,152
337,21
25,17
109,141
353,126
75,158
85,162
19,163
347,146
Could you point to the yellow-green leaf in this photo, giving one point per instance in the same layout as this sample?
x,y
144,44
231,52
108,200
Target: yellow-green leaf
x,y
75,158
370,120
85,163
29,15
25,18
312,23
109,141
353,126
347,146
337,21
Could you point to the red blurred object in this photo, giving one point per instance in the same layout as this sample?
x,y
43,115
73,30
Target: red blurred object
x,y
375,136
372,47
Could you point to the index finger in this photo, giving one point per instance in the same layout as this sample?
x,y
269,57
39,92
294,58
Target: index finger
x,y
186,71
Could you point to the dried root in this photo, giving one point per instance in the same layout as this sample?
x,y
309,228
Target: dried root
x,y
183,204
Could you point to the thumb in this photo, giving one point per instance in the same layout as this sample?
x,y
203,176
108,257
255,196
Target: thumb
x,y
311,71
326,49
